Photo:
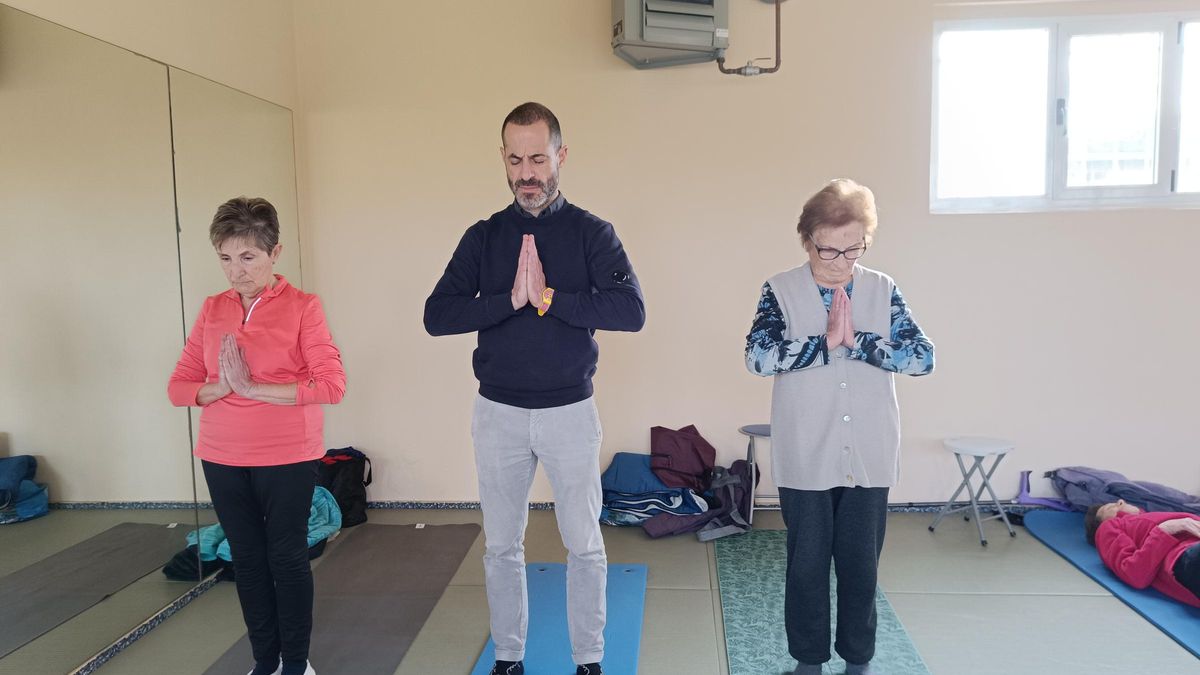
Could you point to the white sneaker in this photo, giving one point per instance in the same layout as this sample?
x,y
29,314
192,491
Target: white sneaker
x,y
308,669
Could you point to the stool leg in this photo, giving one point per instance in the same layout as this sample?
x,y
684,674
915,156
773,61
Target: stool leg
x,y
950,502
987,483
971,493
750,460
979,492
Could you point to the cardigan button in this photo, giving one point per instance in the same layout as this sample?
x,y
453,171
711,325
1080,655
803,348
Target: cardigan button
x,y
845,418
842,385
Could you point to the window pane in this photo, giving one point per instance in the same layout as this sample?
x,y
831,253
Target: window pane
x,y
1189,140
991,116
1112,109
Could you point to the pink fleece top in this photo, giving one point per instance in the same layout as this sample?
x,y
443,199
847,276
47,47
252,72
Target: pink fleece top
x,y
1137,551
285,339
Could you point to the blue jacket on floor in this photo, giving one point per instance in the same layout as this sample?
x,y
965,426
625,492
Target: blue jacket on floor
x,y
323,521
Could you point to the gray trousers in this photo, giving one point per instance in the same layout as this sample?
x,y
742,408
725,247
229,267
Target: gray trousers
x,y
509,442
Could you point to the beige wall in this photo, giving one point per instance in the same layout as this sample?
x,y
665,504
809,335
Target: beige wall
x,y
1049,331
246,45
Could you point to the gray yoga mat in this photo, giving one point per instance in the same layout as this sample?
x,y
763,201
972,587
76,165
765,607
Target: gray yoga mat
x,y
44,595
374,591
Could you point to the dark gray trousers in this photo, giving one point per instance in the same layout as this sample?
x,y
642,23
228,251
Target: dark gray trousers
x,y
847,526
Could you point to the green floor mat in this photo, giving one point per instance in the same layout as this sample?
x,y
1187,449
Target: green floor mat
x,y
751,569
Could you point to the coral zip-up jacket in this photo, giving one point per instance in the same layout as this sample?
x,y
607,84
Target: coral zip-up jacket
x,y
1137,551
285,339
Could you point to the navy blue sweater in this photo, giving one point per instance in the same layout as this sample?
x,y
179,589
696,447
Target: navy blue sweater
x,y
522,359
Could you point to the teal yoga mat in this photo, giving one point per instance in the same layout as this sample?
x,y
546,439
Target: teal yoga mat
x,y
1063,533
548,647
751,569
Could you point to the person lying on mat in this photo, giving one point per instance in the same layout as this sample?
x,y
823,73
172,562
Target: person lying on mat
x,y
260,362
833,334
1156,549
535,362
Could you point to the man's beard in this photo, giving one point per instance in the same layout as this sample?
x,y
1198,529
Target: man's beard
x,y
546,192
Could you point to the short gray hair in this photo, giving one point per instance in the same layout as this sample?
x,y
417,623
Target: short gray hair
x,y
252,218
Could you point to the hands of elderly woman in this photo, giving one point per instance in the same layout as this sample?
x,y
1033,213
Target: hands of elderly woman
x,y
840,329
234,369
531,279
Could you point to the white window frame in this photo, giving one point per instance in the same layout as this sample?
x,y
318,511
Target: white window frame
x,y
1057,196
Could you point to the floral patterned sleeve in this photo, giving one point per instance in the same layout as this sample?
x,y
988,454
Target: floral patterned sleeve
x,y
768,353
906,352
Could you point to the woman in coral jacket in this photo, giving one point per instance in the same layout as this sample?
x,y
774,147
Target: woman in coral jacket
x,y
260,362
1148,549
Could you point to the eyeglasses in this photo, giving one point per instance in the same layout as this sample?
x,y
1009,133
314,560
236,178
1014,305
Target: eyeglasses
x,y
853,253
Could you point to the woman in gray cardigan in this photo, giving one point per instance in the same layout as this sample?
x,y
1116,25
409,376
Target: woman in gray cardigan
x,y
833,333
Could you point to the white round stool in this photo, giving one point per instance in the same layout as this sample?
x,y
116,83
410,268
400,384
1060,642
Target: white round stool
x,y
979,448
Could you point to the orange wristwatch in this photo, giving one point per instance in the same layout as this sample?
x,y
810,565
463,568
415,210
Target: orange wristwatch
x,y
547,298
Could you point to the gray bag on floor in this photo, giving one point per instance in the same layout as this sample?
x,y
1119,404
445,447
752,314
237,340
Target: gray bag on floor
x,y
1085,487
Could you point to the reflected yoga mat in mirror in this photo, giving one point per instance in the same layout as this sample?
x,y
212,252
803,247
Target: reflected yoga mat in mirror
x,y
37,598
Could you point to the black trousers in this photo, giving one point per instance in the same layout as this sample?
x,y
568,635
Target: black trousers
x,y
847,526
1187,570
264,512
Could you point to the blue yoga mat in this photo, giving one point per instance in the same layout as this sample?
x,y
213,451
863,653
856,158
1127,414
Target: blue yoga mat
x,y
1063,533
548,647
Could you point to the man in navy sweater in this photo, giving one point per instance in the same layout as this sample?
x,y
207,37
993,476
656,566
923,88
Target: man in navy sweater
x,y
536,280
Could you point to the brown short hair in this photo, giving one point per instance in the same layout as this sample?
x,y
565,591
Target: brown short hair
x,y
1091,522
532,113
840,202
252,218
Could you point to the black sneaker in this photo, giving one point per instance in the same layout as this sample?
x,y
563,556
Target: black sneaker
x,y
588,669
508,668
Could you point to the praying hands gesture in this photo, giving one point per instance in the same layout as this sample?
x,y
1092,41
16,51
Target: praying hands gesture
x,y
530,281
840,330
234,370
